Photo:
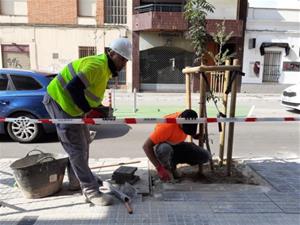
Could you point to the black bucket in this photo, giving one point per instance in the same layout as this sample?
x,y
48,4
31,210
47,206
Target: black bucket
x,y
39,175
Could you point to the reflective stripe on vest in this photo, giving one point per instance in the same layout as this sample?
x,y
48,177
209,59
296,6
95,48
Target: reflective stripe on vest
x,y
61,81
84,81
71,69
64,85
81,75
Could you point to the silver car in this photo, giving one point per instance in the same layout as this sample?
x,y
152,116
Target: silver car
x,y
290,97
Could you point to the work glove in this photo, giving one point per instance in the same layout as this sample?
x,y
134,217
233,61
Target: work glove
x,y
163,174
94,113
100,112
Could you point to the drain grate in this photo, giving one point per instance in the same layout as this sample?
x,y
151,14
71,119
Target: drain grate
x,y
28,220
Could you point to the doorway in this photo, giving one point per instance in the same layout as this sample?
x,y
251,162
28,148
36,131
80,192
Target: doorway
x,y
161,68
271,72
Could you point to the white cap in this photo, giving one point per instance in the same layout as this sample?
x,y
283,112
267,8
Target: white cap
x,y
122,46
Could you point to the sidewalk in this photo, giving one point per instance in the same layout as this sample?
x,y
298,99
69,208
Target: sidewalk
x,y
276,201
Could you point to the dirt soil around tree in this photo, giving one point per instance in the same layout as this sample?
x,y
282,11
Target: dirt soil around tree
x,y
219,175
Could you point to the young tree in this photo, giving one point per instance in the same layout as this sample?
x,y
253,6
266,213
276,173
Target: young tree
x,y
195,12
221,38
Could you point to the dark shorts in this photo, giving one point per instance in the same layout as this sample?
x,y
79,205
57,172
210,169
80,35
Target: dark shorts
x,y
189,153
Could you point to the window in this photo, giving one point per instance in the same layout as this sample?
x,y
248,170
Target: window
x,y
119,80
87,8
115,11
86,51
122,76
271,72
13,7
15,56
22,83
3,82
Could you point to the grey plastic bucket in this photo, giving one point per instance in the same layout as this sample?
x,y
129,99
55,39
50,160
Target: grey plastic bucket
x,y
39,175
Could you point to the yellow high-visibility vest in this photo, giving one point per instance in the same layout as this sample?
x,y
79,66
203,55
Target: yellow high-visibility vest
x,y
93,72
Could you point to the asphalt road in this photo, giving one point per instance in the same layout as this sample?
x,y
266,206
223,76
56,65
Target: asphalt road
x,y
251,140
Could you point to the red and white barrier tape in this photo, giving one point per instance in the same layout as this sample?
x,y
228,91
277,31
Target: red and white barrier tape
x,y
154,120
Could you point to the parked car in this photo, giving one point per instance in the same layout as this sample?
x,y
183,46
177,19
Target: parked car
x,y
21,95
291,97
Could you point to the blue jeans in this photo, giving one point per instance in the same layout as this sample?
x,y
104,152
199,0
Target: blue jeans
x,y
75,141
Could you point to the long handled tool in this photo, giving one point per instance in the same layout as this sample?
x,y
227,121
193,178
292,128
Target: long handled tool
x,y
116,164
120,195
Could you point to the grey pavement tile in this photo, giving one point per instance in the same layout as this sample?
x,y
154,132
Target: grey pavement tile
x,y
261,219
249,207
166,219
173,196
282,175
215,196
288,202
292,209
284,197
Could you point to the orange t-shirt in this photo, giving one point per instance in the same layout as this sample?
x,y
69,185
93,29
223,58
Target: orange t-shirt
x,y
168,132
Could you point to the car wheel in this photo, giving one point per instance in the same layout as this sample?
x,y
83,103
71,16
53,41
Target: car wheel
x,y
24,131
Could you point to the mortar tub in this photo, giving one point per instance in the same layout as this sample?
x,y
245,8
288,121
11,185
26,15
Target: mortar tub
x,y
39,175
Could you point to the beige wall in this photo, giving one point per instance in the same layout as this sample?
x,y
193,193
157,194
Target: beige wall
x,y
266,23
70,32
150,40
44,41
224,9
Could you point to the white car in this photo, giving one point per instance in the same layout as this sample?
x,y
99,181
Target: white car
x,y
291,97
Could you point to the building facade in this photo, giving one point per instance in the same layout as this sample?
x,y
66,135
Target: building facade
x,y
272,42
46,35
160,49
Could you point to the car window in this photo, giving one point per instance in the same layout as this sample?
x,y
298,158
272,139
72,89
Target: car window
x,y
3,82
25,83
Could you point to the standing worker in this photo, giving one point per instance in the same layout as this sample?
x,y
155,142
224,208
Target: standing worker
x,y
166,148
76,92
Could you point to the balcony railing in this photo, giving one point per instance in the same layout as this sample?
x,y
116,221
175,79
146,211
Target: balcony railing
x,y
160,8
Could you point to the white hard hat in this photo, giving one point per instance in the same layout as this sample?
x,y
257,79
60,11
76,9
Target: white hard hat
x,y
123,47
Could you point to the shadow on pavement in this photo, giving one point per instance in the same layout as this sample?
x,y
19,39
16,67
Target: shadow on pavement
x,y
294,111
103,131
44,139
110,130
5,138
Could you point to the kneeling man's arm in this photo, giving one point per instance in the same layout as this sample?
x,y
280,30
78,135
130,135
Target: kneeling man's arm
x,y
149,151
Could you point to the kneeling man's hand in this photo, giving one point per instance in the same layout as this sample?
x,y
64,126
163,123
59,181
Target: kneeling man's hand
x,y
163,174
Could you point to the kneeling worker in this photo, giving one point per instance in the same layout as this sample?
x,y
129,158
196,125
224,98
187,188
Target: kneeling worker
x,y
166,148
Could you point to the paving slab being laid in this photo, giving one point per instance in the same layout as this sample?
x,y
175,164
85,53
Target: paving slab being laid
x,y
142,185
